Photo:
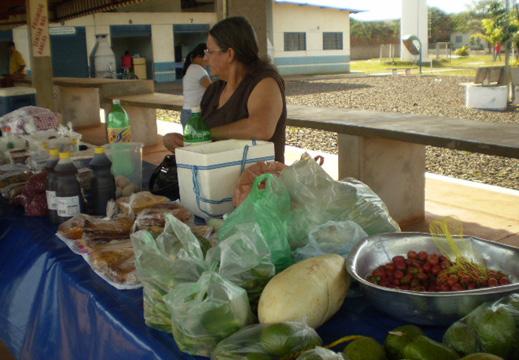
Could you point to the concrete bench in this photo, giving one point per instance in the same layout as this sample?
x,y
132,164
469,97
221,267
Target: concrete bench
x,y
384,150
387,150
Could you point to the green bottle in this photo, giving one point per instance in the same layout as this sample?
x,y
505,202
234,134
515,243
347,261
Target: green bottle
x,y
118,126
196,131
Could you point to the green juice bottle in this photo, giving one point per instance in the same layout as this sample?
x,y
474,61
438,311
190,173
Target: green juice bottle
x,y
196,131
118,125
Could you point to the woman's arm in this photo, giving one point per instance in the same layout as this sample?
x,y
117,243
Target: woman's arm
x,y
265,106
205,81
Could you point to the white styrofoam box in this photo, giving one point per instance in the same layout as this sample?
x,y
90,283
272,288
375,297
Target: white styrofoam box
x,y
208,173
486,97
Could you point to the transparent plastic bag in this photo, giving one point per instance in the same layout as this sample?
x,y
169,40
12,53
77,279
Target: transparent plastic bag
x,y
245,259
331,238
491,328
207,311
268,205
267,341
174,257
320,353
318,198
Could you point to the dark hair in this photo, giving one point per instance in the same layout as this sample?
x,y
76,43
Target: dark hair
x,y
10,44
237,33
199,50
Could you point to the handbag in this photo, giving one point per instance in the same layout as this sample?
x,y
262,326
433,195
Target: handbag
x,y
164,180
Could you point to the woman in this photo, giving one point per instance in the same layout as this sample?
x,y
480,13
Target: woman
x,y
248,102
195,80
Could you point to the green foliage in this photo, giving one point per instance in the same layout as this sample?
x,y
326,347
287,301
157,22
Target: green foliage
x,y
462,51
441,25
374,32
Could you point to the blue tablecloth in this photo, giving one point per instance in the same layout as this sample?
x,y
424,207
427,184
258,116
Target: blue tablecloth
x,y
53,306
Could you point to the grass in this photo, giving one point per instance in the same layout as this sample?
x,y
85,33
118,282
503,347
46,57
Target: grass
x,y
460,66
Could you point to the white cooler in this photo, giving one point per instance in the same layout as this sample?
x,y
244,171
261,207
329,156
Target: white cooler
x,y
208,173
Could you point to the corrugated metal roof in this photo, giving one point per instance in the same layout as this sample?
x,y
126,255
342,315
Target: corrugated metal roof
x,y
321,4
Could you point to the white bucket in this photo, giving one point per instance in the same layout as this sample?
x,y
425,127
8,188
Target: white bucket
x,y
208,173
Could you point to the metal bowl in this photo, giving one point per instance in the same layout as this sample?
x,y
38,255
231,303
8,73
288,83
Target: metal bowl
x,y
428,308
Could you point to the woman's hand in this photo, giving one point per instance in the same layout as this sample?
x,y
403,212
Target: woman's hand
x,y
172,141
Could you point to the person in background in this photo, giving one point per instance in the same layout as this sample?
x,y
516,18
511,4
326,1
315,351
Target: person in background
x,y
127,62
16,62
248,102
195,80
498,51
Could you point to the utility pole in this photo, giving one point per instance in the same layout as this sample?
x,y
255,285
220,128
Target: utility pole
x,y
508,46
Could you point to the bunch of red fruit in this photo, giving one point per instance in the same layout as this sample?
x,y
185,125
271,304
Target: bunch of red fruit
x,y
422,271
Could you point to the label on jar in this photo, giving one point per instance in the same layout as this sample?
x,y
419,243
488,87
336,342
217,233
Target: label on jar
x,y
52,203
68,206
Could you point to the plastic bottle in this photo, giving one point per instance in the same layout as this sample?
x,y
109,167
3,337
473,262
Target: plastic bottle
x,y
118,126
68,191
51,185
196,131
103,183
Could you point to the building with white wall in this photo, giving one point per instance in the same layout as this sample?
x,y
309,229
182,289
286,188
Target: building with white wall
x,y
305,39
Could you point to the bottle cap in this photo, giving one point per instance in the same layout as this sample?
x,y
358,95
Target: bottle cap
x,y
116,101
195,109
53,152
64,155
99,150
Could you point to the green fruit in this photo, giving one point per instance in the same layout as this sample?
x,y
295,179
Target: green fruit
x,y
257,356
283,339
220,321
461,338
496,330
423,348
365,348
398,338
481,356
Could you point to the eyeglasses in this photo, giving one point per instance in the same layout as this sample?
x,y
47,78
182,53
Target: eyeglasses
x,y
210,52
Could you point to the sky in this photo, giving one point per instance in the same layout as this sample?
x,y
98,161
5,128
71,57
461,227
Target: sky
x,y
389,9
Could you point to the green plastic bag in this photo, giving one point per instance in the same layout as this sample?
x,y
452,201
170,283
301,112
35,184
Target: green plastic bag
x,y
174,257
267,341
207,311
320,353
317,199
245,259
490,328
268,207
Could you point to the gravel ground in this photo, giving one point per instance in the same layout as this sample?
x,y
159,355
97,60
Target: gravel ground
x,y
428,95
439,96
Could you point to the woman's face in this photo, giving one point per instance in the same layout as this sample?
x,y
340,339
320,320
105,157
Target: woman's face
x,y
217,59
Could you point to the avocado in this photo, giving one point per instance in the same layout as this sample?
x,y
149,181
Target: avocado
x,y
461,338
423,348
398,338
481,356
365,348
496,330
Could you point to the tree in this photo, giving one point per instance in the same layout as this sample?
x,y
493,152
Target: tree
x,y
374,32
441,25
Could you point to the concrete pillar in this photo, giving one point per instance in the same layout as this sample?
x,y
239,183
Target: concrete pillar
x,y
259,13
221,9
38,25
414,22
394,170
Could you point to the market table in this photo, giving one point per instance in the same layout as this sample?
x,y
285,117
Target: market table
x,y
53,306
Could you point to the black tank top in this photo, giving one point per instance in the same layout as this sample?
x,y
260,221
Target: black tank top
x,y
236,106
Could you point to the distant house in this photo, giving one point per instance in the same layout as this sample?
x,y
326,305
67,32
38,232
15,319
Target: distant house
x,y
459,39
303,38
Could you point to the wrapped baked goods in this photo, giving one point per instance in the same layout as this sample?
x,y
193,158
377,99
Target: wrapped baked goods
x,y
14,177
115,261
247,178
153,219
137,202
73,228
100,231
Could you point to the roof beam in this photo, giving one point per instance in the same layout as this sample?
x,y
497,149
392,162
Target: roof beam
x,y
77,8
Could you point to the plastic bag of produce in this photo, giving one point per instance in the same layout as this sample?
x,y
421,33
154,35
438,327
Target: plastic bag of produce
x,y
331,238
207,311
174,257
267,205
318,198
491,328
320,353
245,259
272,341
